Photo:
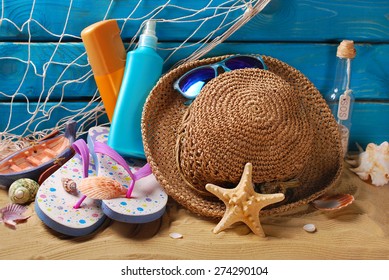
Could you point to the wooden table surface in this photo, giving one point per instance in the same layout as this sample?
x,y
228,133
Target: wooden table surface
x,y
359,231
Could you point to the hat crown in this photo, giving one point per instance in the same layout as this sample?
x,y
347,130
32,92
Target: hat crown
x,y
247,115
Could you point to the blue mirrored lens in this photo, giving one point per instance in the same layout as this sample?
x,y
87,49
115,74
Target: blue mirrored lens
x,y
192,83
243,62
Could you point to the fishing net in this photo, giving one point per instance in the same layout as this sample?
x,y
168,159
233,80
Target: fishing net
x,y
42,88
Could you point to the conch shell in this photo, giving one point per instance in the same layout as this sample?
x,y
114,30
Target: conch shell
x,y
373,163
100,187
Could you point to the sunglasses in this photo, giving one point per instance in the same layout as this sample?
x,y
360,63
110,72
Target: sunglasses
x,y
191,83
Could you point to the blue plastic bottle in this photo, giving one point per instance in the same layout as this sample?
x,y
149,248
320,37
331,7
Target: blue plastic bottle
x,y
142,71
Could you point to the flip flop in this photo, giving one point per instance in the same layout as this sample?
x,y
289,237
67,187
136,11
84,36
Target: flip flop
x,y
55,202
143,199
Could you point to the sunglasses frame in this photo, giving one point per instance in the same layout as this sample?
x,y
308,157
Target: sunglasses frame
x,y
215,67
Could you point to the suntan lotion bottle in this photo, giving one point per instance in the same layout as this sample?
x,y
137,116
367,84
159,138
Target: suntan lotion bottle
x,y
142,71
107,57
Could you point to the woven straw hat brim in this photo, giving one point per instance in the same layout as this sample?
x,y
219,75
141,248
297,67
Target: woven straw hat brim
x,y
162,117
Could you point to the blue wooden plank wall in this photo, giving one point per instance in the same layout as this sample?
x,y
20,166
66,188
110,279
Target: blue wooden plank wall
x,y
303,33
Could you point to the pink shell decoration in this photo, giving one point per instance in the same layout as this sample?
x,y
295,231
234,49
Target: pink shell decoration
x,y
100,187
12,214
333,202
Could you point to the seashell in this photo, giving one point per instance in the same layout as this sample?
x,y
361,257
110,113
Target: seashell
x,y
309,228
374,164
12,214
100,187
23,191
333,202
70,186
176,235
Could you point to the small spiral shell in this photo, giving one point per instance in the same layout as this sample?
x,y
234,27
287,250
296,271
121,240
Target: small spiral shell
x,y
69,186
23,191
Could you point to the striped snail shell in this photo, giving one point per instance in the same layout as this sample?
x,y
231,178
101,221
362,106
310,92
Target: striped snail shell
x,y
69,186
23,191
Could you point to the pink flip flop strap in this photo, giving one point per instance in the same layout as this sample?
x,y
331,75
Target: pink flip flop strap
x,y
81,148
104,149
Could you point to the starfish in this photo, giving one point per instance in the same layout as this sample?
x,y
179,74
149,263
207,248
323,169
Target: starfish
x,y
243,203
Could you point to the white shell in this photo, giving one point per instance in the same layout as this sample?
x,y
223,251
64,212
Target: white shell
x,y
374,164
176,235
309,228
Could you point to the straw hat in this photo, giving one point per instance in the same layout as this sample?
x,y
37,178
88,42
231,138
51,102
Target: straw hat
x,y
276,119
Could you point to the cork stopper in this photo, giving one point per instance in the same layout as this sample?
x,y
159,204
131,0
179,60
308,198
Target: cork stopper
x,y
346,49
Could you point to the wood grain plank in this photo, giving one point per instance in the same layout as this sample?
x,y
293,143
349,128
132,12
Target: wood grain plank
x,y
370,120
319,21
129,14
15,119
40,70
370,124
281,20
45,71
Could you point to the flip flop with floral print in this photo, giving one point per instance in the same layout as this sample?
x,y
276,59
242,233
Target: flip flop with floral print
x,y
55,202
128,189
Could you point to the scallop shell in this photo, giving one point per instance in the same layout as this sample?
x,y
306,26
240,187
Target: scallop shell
x,y
374,164
23,191
100,187
69,186
333,202
12,214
